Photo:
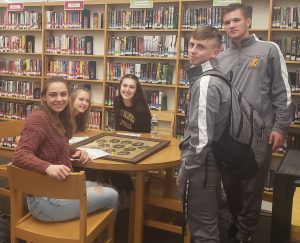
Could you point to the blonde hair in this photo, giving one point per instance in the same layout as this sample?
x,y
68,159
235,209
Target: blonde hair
x,y
81,119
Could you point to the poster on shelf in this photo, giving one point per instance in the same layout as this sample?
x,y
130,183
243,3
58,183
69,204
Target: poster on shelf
x,y
73,5
225,2
141,3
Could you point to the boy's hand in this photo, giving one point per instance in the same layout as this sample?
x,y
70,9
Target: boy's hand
x,y
276,139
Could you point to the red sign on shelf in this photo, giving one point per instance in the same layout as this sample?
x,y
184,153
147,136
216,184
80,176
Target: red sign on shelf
x,y
74,5
15,6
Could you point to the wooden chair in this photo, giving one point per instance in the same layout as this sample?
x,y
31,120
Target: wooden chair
x,y
85,229
11,128
162,202
3,173
164,205
165,122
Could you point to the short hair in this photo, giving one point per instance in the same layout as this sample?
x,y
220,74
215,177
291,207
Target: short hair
x,y
235,6
207,32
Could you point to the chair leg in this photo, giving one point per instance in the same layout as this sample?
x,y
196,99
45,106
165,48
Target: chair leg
x,y
111,231
131,216
187,238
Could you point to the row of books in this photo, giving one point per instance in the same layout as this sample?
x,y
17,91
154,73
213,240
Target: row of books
x,y
72,69
20,89
95,119
180,127
296,109
9,142
156,73
152,46
183,99
290,48
295,80
292,141
17,44
69,44
156,100
183,78
109,120
14,110
158,18
196,17
20,20
111,91
74,19
184,45
286,17
27,67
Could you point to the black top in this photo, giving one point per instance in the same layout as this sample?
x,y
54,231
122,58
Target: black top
x,y
131,120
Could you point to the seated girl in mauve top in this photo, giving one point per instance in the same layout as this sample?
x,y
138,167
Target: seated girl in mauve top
x,y
43,147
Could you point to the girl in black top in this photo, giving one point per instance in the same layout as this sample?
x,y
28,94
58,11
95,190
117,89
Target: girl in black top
x,y
130,107
131,114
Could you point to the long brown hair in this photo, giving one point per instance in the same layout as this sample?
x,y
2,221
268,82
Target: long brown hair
x,y
63,122
138,100
81,119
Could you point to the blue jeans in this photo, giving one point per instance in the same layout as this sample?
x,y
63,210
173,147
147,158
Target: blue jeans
x,y
52,209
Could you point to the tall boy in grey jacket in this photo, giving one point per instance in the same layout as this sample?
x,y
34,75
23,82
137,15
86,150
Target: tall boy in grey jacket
x,y
259,71
207,117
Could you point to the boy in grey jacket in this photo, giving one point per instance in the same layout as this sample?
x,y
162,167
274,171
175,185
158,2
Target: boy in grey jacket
x,y
259,72
206,119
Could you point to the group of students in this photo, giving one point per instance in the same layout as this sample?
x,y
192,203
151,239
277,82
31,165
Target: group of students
x,y
258,70
44,142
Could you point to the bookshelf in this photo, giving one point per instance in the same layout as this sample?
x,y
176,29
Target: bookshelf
x,y
121,40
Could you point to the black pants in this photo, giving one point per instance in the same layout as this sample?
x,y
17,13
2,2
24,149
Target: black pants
x,y
244,198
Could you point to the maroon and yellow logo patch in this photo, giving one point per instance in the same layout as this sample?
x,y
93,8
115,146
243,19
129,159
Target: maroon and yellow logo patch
x,y
254,61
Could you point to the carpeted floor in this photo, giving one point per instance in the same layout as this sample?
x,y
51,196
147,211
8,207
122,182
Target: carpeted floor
x,y
151,235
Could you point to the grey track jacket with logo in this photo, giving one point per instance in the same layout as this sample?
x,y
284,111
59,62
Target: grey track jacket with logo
x,y
207,117
260,73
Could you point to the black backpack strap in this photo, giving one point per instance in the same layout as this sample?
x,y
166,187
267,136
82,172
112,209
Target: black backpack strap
x,y
219,74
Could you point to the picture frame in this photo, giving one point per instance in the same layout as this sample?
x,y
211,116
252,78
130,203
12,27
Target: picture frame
x,y
124,148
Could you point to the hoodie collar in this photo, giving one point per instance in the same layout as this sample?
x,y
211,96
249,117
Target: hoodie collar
x,y
193,72
246,42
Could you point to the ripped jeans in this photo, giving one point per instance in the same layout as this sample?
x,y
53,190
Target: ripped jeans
x,y
53,210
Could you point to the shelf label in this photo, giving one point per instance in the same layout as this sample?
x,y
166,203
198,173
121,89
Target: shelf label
x,y
141,3
73,5
15,7
225,2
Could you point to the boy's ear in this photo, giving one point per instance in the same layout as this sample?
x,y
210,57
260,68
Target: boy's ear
x,y
249,22
216,51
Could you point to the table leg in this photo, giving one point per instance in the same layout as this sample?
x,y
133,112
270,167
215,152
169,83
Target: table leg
x,y
139,207
282,208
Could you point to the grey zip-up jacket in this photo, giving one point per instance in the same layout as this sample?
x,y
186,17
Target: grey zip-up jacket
x,y
259,72
209,107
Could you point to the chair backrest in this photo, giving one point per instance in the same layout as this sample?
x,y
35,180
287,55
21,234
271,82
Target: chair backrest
x,y
3,173
11,128
23,181
165,122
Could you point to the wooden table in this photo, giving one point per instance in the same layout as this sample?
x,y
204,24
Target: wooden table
x,y
283,193
164,159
